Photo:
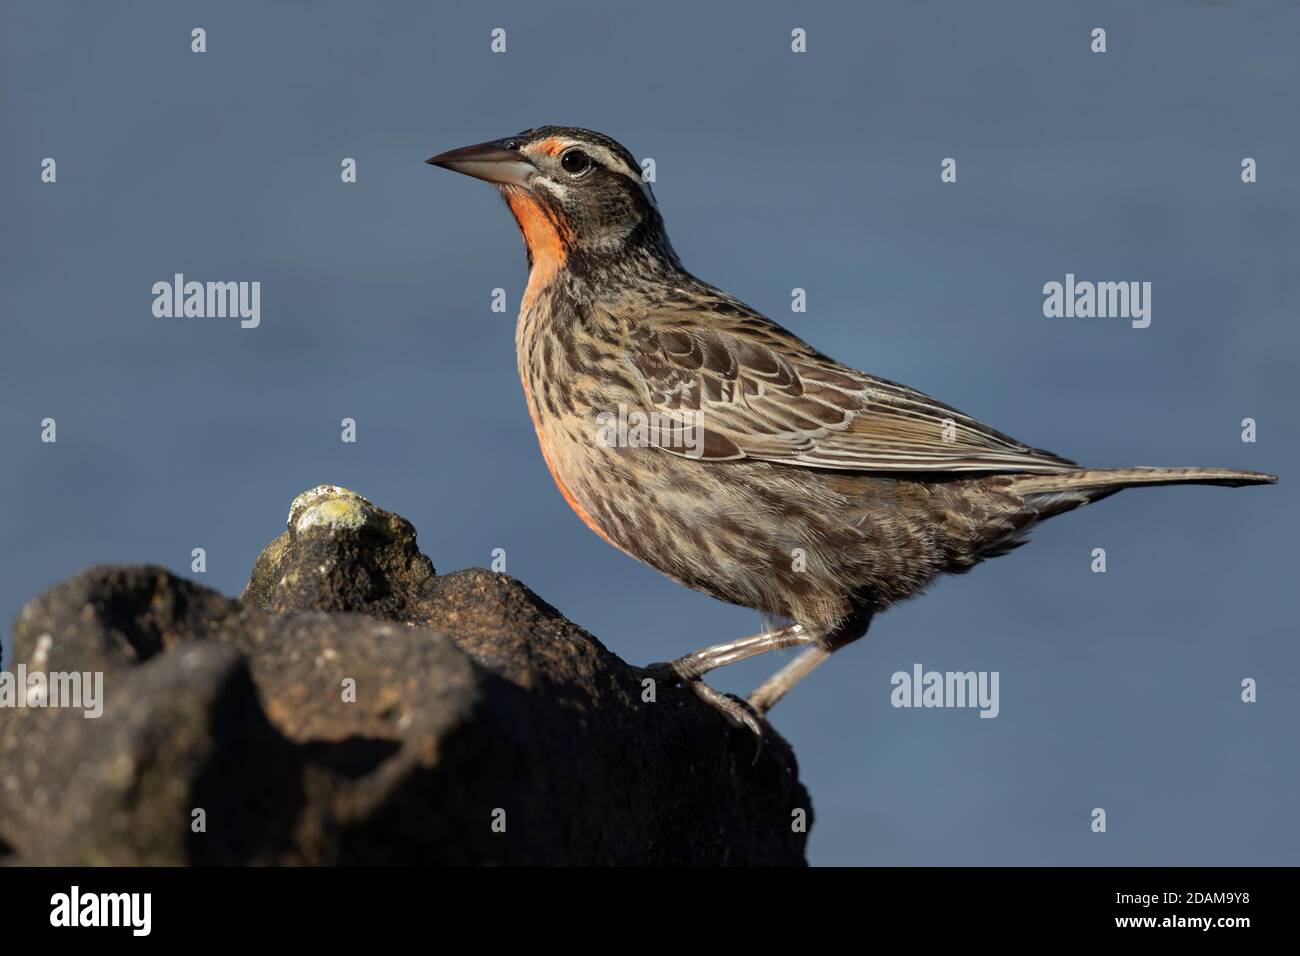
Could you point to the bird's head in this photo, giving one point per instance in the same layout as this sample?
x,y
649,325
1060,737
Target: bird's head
x,y
578,196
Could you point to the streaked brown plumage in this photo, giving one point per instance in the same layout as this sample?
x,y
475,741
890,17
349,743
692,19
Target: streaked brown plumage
x,y
818,494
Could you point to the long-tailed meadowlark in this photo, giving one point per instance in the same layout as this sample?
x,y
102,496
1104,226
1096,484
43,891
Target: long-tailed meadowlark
x,y
757,470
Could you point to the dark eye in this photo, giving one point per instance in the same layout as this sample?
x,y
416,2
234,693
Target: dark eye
x,y
575,162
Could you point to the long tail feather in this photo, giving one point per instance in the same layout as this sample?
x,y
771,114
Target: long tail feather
x,y
1102,481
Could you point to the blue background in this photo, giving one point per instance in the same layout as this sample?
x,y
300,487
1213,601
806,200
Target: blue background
x,y
775,170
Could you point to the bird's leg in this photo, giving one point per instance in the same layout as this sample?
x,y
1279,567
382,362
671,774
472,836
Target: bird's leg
x,y
764,698
692,666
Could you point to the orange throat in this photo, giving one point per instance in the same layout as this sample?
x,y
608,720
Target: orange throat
x,y
545,234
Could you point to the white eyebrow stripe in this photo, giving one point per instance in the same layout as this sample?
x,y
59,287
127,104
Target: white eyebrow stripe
x,y
615,162
611,160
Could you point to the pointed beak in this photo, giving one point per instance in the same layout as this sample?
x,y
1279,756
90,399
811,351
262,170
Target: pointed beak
x,y
492,162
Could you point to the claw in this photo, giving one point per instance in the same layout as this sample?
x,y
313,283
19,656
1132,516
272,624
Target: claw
x,y
737,711
739,714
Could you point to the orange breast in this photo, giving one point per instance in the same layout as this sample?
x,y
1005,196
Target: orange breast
x,y
578,509
546,236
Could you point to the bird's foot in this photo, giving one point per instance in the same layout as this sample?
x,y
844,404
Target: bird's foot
x,y
681,671
736,711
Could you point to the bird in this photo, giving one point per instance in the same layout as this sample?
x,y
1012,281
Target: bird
x,y
702,438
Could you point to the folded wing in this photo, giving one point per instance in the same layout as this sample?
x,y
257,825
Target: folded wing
x,y
759,392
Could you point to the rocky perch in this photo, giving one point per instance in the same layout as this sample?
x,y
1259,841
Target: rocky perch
x,y
355,707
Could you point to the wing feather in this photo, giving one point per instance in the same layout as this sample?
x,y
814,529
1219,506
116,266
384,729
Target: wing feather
x,y
762,393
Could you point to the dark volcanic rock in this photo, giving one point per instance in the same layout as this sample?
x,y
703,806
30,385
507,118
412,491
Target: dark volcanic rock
x,y
340,553
456,719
